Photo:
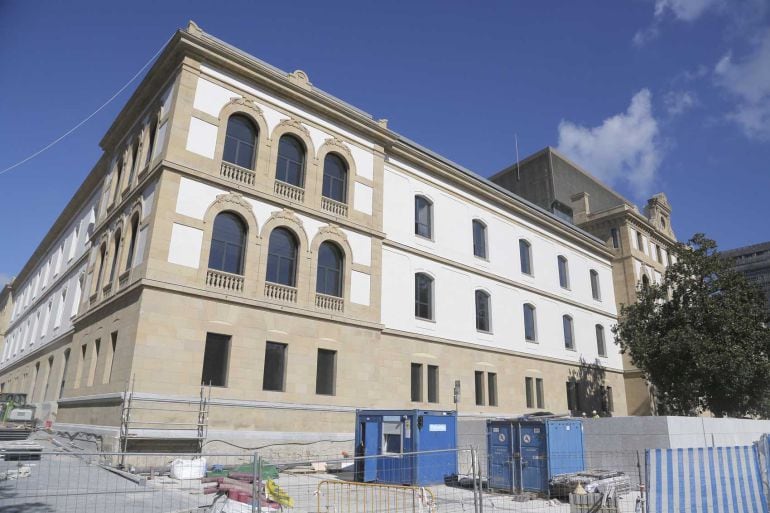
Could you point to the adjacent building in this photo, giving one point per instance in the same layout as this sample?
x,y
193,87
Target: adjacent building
x,y
640,242
247,231
754,262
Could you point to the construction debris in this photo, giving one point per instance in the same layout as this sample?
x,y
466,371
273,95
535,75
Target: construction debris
x,y
20,450
592,481
16,473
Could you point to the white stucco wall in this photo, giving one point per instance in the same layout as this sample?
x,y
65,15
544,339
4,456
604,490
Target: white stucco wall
x,y
453,213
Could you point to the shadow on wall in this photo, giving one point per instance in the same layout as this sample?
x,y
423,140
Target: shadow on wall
x,y
587,390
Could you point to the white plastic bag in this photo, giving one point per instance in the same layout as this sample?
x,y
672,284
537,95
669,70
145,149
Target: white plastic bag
x,y
188,469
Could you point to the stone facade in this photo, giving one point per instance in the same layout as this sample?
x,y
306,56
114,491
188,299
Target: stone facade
x,y
150,299
640,242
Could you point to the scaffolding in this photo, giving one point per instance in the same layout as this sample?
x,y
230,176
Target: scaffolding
x,y
153,420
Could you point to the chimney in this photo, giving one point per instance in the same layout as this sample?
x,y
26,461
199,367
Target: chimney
x,y
580,207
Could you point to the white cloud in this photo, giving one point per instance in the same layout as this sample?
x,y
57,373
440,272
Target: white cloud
x,y
748,81
685,10
4,278
679,102
624,148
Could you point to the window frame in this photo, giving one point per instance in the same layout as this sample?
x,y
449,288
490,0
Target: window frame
x,y
601,341
282,162
415,379
431,296
596,288
333,179
492,399
615,237
479,386
488,307
243,227
525,248
568,328
480,241
533,309
433,384
215,339
529,391
428,205
254,133
319,380
323,271
282,259
284,354
563,268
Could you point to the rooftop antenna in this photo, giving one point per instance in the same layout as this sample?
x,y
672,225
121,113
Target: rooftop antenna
x,y
518,170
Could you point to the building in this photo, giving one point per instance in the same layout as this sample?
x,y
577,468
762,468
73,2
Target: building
x,y
640,243
754,262
246,230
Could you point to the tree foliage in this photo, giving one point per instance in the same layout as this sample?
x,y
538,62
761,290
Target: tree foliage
x,y
701,336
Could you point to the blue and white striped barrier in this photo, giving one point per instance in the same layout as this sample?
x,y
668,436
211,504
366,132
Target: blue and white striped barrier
x,y
704,480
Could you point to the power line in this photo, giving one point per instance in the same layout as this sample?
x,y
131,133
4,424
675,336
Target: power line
x,y
85,120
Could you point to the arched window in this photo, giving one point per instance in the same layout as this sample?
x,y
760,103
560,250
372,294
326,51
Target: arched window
x,y
291,161
482,311
601,347
569,332
151,140
134,163
330,269
645,281
525,255
228,241
423,217
479,239
335,178
530,326
118,179
132,241
423,296
563,272
115,251
282,257
595,290
240,141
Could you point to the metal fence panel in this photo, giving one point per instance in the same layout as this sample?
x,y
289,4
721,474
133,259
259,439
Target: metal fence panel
x,y
719,479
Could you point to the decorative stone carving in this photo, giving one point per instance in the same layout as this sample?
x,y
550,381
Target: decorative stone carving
x,y
295,124
301,79
287,215
337,145
245,103
332,230
230,200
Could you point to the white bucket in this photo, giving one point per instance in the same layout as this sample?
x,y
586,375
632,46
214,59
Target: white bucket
x,y
188,469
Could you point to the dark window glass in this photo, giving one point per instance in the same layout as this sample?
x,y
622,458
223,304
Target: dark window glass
x,y
115,251
330,269
529,392
639,241
228,241
132,242
326,371
540,394
151,140
64,373
102,254
215,358
525,254
423,296
530,332
432,383
240,142
134,163
282,257
615,237
416,382
569,341
423,217
607,402
658,256
595,290
563,272
600,345
479,239
291,161
645,281
482,311
335,178
275,367
118,180
479,380
572,396
492,388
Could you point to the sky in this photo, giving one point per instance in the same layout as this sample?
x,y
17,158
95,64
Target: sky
x,y
648,95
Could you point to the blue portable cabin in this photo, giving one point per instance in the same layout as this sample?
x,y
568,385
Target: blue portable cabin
x,y
387,437
526,452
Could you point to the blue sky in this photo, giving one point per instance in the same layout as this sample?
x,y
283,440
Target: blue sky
x,y
650,95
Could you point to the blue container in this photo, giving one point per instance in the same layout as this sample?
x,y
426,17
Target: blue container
x,y
525,453
388,436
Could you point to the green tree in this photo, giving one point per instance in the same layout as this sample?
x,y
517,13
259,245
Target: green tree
x,y
701,336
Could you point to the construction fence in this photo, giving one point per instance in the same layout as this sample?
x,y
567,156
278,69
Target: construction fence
x,y
65,479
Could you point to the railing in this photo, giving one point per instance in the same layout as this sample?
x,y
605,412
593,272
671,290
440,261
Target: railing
x,y
289,191
333,206
326,302
225,281
237,173
281,292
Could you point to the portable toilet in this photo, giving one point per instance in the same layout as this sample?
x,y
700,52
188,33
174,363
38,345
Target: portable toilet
x,y
525,453
393,445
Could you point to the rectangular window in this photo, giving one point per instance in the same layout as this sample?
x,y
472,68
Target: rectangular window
x,y
563,272
64,373
48,378
601,347
658,255
417,382
529,392
480,388
479,239
391,437
215,358
572,396
492,388
274,375
94,361
432,383
113,346
607,402
596,291
540,393
639,241
326,372
615,235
